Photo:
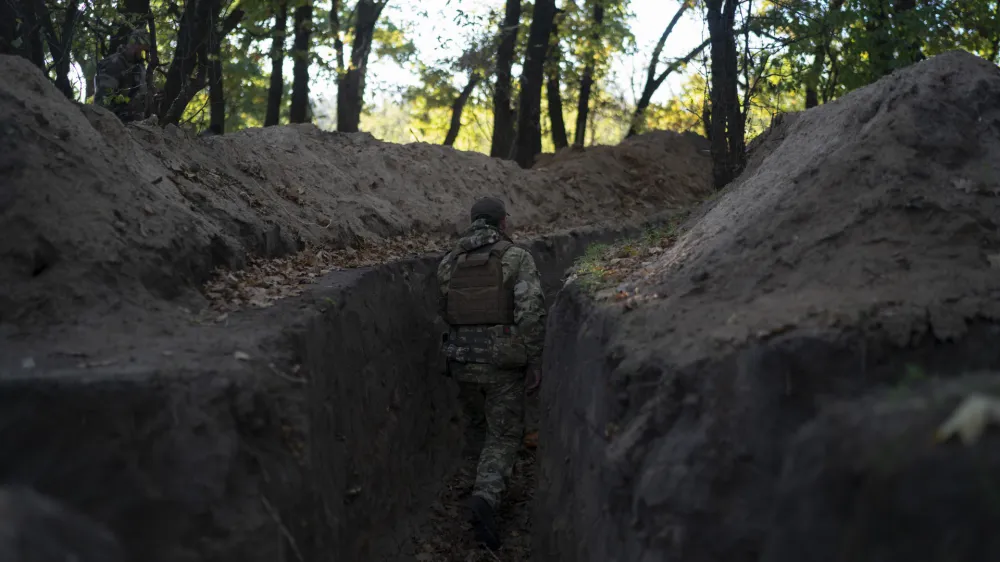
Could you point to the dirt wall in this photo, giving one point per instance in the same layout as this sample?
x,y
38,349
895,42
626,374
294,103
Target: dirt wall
x,y
320,427
98,217
766,388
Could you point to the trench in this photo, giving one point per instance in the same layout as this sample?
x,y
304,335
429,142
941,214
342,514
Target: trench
x,y
194,456
812,445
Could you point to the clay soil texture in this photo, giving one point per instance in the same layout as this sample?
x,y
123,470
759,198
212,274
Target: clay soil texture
x,y
227,348
767,384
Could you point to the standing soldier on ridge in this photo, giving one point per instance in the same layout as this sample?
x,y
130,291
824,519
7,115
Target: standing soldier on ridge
x,y
493,302
120,82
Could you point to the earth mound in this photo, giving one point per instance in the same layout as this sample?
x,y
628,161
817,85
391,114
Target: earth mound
x,y
99,216
749,374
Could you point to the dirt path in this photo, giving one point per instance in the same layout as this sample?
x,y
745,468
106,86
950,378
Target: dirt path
x,y
447,537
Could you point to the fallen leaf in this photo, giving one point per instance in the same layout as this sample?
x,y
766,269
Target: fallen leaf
x,y
970,419
241,355
531,440
92,364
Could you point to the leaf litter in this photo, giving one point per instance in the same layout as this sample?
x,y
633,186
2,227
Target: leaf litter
x,y
446,536
265,281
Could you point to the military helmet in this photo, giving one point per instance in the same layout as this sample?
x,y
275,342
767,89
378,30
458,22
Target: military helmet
x,y
489,208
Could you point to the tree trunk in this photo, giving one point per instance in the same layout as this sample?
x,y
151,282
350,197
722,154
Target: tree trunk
x,y
351,87
553,93
503,114
559,137
59,43
652,80
529,131
8,28
650,88
338,41
299,110
152,64
820,54
458,106
32,44
216,95
181,84
912,50
276,88
587,81
89,68
727,121
197,26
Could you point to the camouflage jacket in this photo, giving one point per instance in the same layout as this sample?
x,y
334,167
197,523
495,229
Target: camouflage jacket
x,y
120,86
520,271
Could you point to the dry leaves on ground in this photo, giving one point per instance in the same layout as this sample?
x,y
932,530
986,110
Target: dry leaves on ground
x,y
447,537
265,281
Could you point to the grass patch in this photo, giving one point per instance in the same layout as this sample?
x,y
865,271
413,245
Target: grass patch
x,y
604,265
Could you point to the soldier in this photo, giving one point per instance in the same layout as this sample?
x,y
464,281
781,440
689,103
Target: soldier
x,y
120,82
492,300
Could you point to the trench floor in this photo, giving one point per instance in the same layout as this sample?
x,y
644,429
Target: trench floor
x,y
445,535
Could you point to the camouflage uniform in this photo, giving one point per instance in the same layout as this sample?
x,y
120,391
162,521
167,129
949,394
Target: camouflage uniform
x,y
491,376
120,82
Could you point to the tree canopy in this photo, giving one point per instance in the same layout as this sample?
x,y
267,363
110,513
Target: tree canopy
x,y
496,70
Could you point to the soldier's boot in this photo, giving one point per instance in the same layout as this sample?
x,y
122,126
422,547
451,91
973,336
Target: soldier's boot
x,y
484,522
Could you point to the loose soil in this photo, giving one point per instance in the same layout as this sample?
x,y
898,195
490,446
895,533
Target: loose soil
x,y
98,216
688,405
447,537
225,348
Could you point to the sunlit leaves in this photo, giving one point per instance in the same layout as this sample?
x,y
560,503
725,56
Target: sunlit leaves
x,y
861,40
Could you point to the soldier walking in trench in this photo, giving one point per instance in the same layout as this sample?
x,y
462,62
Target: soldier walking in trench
x,y
120,82
491,297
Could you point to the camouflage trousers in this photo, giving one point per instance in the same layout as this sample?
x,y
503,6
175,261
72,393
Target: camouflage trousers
x,y
493,404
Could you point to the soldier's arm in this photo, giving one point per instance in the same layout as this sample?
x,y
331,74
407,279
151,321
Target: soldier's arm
x,y
529,306
443,277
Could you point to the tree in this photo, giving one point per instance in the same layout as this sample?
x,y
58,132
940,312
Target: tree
x,y
503,113
187,72
216,87
59,42
553,88
529,133
820,52
727,120
587,81
654,80
276,87
473,62
351,87
299,110
192,66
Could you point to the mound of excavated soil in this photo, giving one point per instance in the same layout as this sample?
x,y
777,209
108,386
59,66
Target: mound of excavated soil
x,y
859,253
95,213
648,164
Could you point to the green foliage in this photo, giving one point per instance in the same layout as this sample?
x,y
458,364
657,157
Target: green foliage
x,y
603,265
859,41
829,47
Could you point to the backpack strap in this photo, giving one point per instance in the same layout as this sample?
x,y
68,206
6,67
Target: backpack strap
x,y
501,247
